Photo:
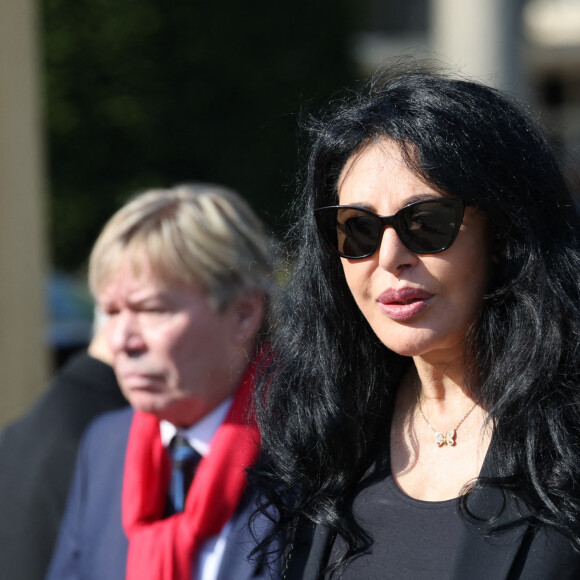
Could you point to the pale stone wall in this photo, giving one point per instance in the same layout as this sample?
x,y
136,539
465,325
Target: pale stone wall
x,y
23,355
482,39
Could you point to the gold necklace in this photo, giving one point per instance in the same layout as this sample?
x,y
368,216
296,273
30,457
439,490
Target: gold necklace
x,y
440,438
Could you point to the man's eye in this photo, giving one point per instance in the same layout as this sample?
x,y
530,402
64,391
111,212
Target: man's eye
x,y
155,309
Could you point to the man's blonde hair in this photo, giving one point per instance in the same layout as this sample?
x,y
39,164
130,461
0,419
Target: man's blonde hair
x,y
200,234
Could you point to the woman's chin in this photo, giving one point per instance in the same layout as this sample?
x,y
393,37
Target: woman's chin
x,y
427,348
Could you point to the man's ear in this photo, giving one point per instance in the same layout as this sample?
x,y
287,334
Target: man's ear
x,y
247,310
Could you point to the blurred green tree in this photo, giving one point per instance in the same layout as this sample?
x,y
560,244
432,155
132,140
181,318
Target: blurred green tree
x,y
147,93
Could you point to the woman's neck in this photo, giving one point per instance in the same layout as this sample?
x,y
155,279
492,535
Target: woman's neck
x,y
440,381
439,435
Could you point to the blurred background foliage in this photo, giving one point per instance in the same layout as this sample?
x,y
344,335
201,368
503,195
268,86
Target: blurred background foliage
x,y
150,93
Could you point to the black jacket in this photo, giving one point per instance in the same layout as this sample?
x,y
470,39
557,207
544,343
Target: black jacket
x,y
37,459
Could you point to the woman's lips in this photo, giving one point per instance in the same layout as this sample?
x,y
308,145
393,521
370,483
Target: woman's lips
x,y
404,303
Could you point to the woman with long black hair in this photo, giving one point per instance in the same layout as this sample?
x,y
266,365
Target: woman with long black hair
x,y
422,414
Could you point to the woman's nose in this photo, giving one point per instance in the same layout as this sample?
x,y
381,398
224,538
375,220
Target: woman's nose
x,y
393,254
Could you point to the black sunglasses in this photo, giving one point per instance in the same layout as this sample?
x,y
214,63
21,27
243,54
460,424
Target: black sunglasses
x,y
424,227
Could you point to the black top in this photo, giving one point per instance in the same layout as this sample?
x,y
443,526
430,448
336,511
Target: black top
x,y
416,539
410,538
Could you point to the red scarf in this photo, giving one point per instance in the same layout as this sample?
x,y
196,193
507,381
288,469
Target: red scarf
x,y
164,549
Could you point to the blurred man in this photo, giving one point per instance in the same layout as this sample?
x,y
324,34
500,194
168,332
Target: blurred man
x,y
185,277
37,458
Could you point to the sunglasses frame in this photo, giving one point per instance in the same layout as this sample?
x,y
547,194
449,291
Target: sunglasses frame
x,y
395,221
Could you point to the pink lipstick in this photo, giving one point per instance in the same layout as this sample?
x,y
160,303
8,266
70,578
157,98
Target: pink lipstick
x,y
405,303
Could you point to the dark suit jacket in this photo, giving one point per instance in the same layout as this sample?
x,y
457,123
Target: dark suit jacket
x,y
92,544
37,458
520,551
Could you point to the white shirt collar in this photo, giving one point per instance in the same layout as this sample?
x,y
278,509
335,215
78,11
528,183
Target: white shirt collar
x,y
201,433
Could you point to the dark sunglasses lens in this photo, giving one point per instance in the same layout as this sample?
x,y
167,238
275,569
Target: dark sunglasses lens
x,y
351,232
358,233
430,226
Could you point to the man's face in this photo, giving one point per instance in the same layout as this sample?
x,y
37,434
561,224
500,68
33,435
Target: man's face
x,y
173,354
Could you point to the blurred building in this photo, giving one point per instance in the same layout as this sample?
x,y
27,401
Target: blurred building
x,y
552,32
528,47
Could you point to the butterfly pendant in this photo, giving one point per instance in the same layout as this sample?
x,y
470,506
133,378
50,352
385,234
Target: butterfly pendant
x,y
447,439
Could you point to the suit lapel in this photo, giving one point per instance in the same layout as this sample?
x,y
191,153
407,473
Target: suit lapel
x,y
247,527
481,555
308,554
